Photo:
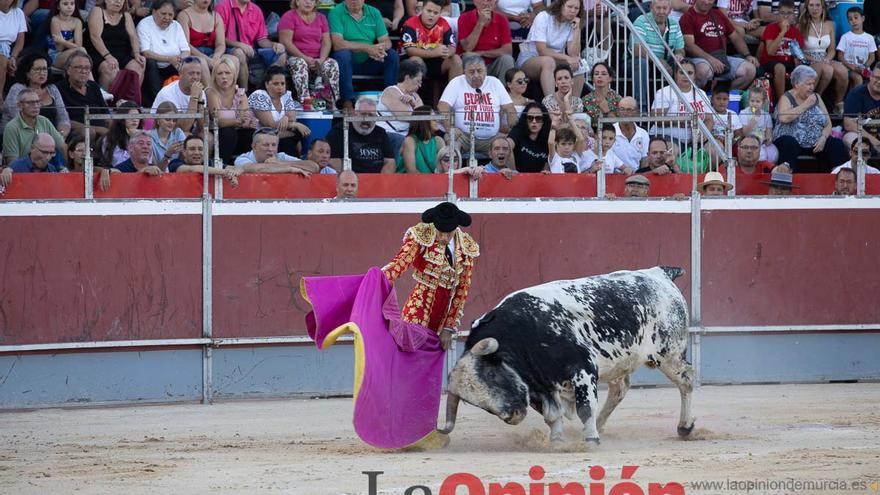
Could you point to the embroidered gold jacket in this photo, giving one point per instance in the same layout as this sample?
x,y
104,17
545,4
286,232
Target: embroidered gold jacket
x,y
431,271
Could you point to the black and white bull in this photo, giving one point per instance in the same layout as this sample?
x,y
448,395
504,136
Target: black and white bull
x,y
548,346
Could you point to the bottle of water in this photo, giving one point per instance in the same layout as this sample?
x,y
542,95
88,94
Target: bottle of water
x,y
797,51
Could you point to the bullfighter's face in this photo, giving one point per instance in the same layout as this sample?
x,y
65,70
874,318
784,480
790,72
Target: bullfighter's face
x,y
486,382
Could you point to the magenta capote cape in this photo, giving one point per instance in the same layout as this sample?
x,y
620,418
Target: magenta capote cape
x,y
398,365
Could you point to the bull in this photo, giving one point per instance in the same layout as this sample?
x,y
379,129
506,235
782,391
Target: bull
x,y
550,345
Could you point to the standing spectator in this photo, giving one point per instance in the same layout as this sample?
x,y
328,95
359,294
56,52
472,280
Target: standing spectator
x,y
756,120
167,137
228,103
485,32
400,100
368,146
517,83
631,141
187,93
13,26
818,32
864,102
114,146
530,136
804,127
113,42
775,52
768,10
65,32
37,159
21,130
205,33
477,98
857,49
420,146
78,91
744,16
33,73
306,36
844,181
274,107
602,101
706,32
520,15
667,102
657,30
164,45
141,155
554,40
361,45
264,157
565,101
749,158
430,39
245,28
346,185
661,159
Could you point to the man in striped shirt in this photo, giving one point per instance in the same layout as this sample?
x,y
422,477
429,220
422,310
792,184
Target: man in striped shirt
x,y
658,31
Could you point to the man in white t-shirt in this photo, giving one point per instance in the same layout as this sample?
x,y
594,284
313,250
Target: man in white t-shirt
x,y
163,44
631,141
13,27
666,102
478,99
187,93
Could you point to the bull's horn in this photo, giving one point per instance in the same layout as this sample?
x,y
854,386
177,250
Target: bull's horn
x,y
451,412
484,347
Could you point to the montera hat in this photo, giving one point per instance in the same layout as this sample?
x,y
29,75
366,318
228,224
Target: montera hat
x,y
446,217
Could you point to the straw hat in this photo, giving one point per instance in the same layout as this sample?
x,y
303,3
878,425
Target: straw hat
x,y
714,178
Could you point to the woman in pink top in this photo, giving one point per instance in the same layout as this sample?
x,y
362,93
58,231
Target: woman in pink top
x,y
306,35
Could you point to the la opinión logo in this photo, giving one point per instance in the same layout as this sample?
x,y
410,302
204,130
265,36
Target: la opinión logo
x,y
473,485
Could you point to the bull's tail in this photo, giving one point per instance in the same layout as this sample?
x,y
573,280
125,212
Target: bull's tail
x,y
673,272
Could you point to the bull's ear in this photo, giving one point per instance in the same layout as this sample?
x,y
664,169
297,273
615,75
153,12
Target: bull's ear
x,y
485,347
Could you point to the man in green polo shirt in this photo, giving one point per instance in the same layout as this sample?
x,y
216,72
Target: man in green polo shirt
x,y
361,46
658,30
20,131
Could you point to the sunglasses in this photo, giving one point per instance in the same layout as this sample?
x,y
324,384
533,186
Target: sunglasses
x,y
534,118
189,60
524,80
266,130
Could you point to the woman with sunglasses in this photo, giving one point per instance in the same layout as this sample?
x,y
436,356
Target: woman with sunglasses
x,y
517,83
274,107
33,73
530,137
164,44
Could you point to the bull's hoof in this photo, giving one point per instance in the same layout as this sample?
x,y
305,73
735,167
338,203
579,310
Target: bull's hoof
x,y
593,440
685,431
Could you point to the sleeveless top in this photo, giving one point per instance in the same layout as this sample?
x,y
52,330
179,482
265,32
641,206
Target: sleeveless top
x,y
230,113
394,126
199,39
817,43
116,39
426,157
50,43
807,128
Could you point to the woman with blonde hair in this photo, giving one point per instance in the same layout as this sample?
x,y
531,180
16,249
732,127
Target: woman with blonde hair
x,y
818,32
228,104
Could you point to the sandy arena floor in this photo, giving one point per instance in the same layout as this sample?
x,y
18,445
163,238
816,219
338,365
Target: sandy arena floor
x,y
745,433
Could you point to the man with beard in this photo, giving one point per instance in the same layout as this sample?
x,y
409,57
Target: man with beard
x,y
845,183
368,146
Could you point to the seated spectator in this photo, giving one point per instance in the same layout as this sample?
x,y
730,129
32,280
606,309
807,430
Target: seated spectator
x,y
852,163
429,38
228,103
392,12
141,152
872,18
608,158
775,51
477,98
65,33
18,136
499,155
346,185
749,156
113,147
714,185
205,33
657,30
245,28
319,152
817,28
400,100
447,158
187,93
420,146
562,103
756,120
369,148
856,49
780,183
584,124
37,159
554,39
192,160
804,127
706,32
530,136
563,156
768,10
33,73
744,16
264,157
12,31
274,107
661,159
485,32
76,161
520,15
167,137
864,102
724,120
666,102
517,83
361,45
844,181
306,35
679,9
113,42
602,101
38,13
79,91
631,141
164,45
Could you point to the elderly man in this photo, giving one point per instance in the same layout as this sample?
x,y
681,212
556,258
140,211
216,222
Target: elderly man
x,y
635,186
845,182
368,145
478,98
360,45
140,149
37,160
864,101
192,160
187,93
264,157
21,131
78,92
486,32
655,28
245,28
781,181
347,185
661,159
714,185
748,154
500,155
631,141
706,32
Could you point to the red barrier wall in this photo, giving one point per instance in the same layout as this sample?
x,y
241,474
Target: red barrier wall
x,y
95,278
